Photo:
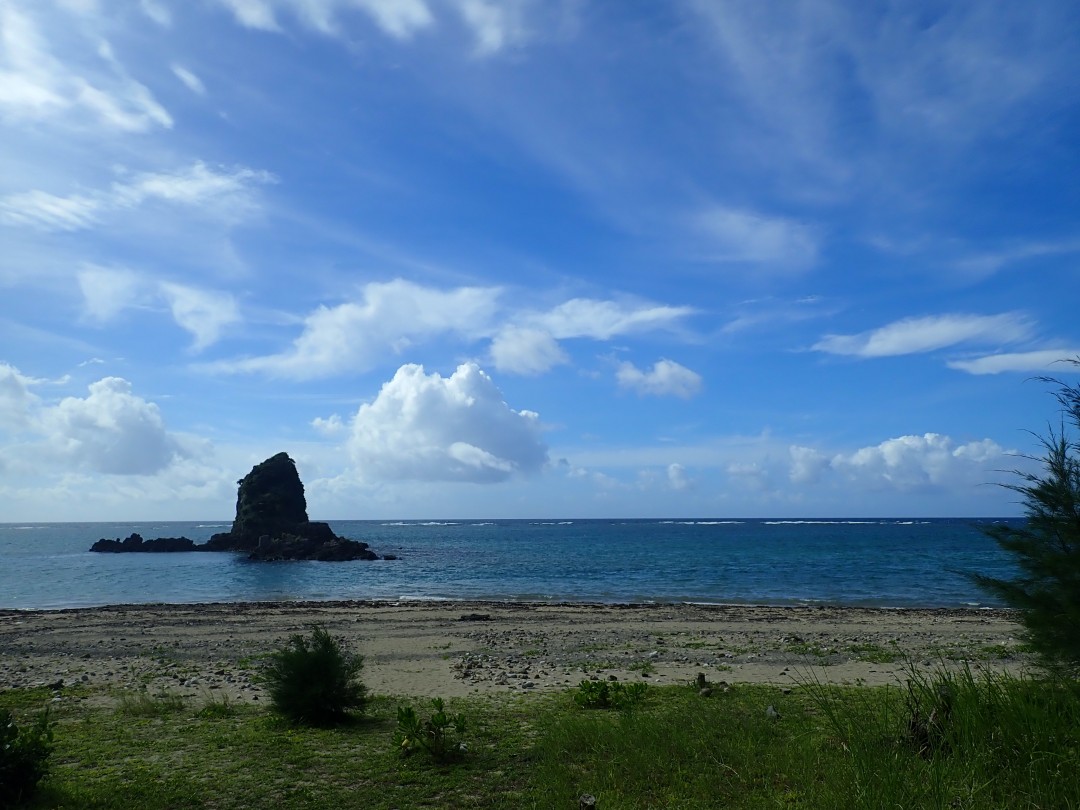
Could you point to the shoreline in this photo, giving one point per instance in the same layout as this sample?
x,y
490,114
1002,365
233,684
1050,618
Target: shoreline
x,y
454,648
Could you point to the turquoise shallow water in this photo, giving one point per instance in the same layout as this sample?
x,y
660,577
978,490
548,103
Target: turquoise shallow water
x,y
899,563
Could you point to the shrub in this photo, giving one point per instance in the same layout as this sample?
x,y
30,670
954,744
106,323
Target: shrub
x,y
1047,548
432,735
24,755
609,695
313,681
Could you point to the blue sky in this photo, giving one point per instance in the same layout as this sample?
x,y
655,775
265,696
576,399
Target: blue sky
x,y
468,258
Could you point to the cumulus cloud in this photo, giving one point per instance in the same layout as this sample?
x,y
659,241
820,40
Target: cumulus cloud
x,y
223,193
525,350
1048,360
16,400
678,479
665,378
36,85
111,430
748,237
807,464
905,462
432,428
926,334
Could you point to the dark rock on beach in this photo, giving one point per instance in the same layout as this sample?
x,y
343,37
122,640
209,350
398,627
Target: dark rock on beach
x,y
271,523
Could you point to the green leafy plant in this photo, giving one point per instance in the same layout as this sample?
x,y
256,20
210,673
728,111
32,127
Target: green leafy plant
x,y
24,756
1046,549
313,680
609,694
435,735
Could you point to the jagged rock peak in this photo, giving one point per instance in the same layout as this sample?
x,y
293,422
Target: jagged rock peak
x,y
270,501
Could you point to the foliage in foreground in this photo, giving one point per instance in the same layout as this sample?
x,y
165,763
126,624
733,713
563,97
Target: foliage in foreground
x,y
1001,743
1047,548
435,735
24,756
609,695
313,681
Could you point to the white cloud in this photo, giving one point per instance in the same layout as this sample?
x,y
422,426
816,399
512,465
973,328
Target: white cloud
x,y
47,212
36,85
109,431
678,479
189,79
665,378
108,291
807,464
222,193
747,237
1041,360
917,335
157,11
909,462
524,350
16,400
430,428
398,18
603,320
389,316
494,25
202,313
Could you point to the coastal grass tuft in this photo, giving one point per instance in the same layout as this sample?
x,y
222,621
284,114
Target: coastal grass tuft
x,y
313,680
951,737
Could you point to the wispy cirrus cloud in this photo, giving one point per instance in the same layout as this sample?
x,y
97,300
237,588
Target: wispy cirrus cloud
x,y
929,333
189,80
494,25
1048,360
769,242
226,193
91,84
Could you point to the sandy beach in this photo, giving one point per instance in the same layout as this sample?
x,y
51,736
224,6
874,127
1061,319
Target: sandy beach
x,y
462,648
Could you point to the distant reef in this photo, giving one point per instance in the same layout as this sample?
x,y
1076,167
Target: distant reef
x,y
271,524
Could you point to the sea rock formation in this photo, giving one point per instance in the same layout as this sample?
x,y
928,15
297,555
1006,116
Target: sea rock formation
x,y
271,523
135,542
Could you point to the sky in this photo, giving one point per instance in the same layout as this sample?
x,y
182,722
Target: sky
x,y
534,258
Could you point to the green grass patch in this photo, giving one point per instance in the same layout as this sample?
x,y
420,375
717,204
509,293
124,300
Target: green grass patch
x,y
949,740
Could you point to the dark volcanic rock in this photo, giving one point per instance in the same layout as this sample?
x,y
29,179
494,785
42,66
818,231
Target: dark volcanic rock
x,y
271,523
135,542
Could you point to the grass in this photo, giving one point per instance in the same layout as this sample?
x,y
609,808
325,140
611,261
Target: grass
x,y
1001,743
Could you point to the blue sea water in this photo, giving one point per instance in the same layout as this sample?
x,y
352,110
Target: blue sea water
x,y
895,563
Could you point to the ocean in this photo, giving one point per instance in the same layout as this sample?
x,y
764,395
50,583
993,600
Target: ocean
x,y
888,563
